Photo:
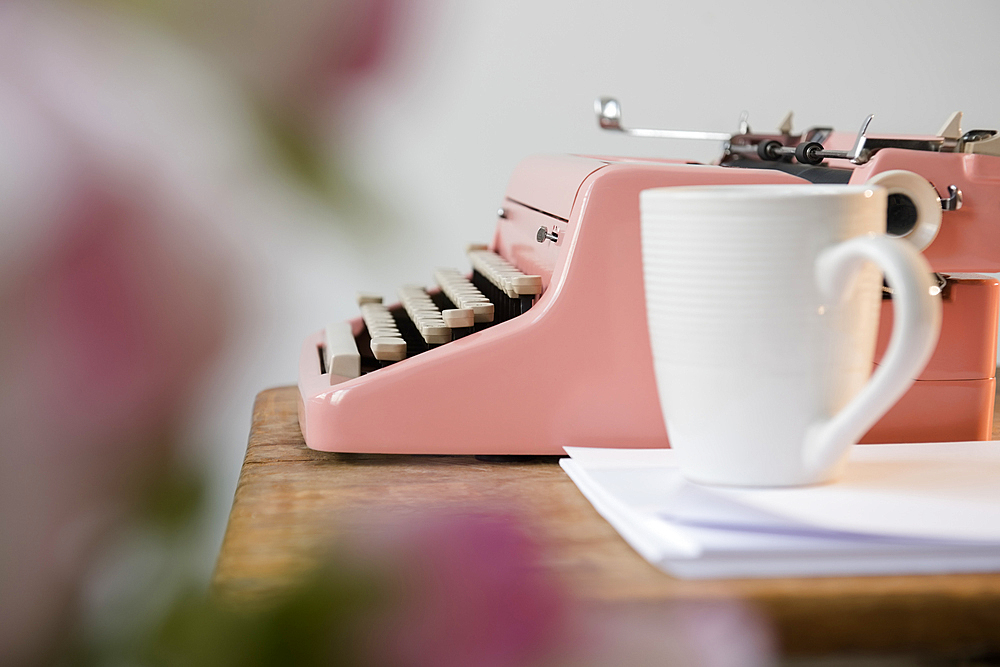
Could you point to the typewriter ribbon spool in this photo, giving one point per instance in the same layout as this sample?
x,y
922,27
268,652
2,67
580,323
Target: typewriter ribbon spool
x,y
914,211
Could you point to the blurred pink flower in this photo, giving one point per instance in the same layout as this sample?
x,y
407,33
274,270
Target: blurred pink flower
x,y
472,593
117,320
294,56
127,165
472,589
116,293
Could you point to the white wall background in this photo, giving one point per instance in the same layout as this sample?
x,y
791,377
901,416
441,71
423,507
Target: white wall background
x,y
489,83
477,86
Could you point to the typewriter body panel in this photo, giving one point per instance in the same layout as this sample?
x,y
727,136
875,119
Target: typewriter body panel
x,y
952,399
576,367
969,238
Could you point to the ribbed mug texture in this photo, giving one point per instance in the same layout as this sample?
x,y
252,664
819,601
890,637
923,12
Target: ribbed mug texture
x,y
744,345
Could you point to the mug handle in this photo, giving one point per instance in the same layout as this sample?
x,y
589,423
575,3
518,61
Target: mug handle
x,y
916,325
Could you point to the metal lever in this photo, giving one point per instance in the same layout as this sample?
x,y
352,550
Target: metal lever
x,y
857,153
953,201
609,117
815,153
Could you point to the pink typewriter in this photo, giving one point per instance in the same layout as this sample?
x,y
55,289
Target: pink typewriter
x,y
544,342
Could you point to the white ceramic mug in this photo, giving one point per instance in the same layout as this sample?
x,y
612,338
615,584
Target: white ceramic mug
x,y
763,307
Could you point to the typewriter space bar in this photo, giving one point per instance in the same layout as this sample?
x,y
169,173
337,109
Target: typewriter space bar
x,y
341,352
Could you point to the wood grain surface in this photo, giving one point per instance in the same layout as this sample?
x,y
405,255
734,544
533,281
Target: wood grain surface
x,y
292,504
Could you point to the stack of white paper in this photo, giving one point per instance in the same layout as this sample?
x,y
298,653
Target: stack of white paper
x,y
899,509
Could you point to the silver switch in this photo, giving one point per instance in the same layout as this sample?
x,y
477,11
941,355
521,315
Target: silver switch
x,y
542,234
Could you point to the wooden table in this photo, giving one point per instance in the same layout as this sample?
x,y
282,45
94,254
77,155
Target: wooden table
x,y
292,502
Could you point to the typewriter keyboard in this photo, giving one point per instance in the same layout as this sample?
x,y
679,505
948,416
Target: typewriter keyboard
x,y
496,292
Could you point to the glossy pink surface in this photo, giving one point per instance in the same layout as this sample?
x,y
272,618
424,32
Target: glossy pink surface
x,y
967,345
952,400
550,183
969,239
939,411
576,369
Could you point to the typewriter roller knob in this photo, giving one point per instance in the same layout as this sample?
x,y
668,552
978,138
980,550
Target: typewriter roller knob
x,y
914,208
544,234
768,150
809,152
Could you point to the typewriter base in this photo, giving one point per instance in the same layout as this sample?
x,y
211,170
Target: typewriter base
x,y
931,411
952,400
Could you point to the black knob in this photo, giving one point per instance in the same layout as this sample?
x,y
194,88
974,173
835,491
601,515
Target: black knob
x,y
768,150
808,152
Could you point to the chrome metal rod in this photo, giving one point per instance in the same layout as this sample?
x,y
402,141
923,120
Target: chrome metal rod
x,y
609,117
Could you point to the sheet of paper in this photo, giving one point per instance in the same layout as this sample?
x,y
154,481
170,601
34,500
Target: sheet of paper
x,y
935,490
939,491
899,509
691,552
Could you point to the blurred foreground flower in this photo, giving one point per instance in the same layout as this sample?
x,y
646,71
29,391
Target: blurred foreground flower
x,y
442,591
296,56
129,170
296,60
